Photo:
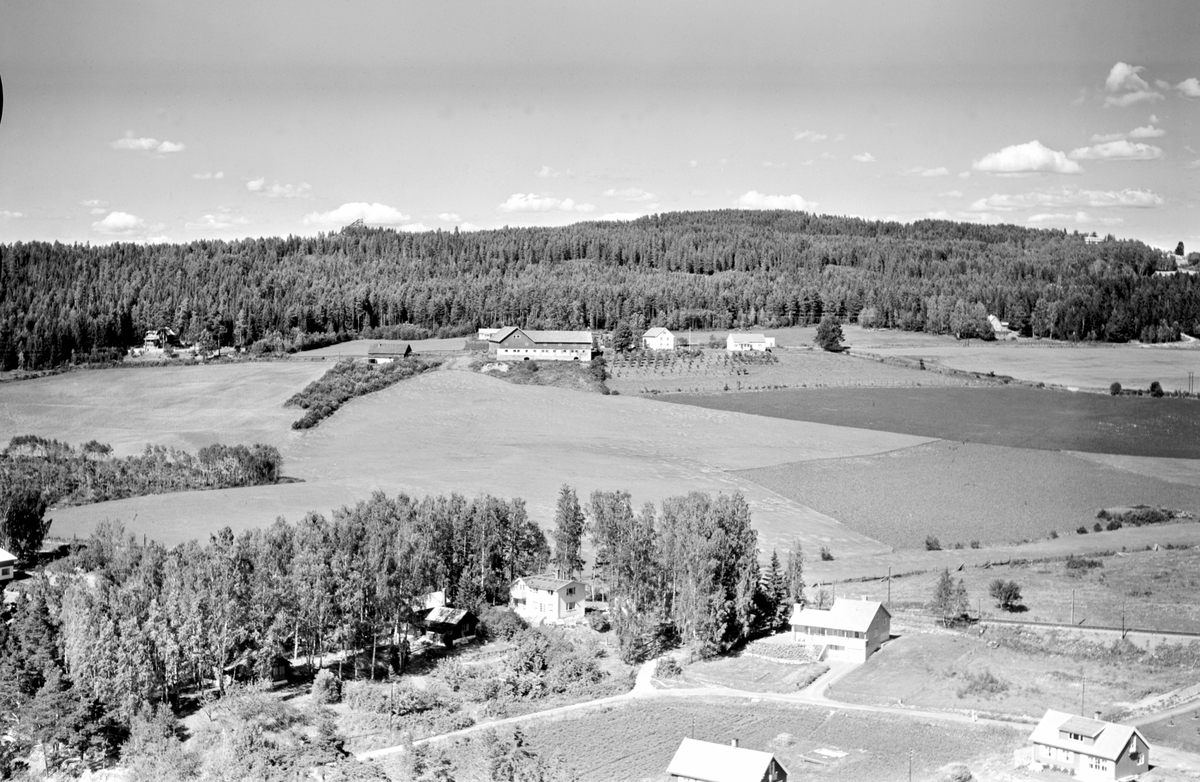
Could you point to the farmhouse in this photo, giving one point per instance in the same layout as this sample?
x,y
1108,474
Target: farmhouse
x,y
736,342
387,352
485,334
547,598
161,339
704,761
1089,748
449,624
1000,328
658,338
7,563
515,344
852,630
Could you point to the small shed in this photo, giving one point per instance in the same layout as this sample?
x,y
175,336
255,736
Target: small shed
x,y
387,352
450,624
244,667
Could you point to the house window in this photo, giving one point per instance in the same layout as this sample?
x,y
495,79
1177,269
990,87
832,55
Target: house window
x,y
1098,764
570,606
570,590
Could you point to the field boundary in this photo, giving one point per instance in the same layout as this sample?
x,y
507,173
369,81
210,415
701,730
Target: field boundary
x,y
990,619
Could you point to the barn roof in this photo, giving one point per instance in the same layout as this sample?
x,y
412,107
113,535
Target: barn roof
x,y
1111,739
502,334
703,760
389,349
574,337
853,615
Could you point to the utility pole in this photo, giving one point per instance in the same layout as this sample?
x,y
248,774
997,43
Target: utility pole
x,y
889,586
1072,607
1082,691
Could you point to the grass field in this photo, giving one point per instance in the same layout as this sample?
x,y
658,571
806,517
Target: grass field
x,y
949,669
1009,416
959,492
454,431
1181,731
357,348
752,674
636,741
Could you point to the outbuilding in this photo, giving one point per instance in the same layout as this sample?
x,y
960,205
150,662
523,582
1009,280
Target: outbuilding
x,y
387,352
449,624
740,342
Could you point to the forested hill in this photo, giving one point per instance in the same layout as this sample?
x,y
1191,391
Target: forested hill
x,y
691,269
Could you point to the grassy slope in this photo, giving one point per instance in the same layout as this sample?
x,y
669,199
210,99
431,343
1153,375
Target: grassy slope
x,y
960,492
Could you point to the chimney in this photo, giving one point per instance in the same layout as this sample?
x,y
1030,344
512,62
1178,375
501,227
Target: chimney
x,y
1096,716
734,742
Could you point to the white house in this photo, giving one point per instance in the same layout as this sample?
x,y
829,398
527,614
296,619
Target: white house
x,y
658,338
7,563
737,341
1089,749
485,334
387,352
547,598
1000,328
514,344
704,761
851,630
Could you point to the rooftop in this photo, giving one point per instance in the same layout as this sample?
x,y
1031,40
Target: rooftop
x,y
547,581
1111,739
845,614
719,762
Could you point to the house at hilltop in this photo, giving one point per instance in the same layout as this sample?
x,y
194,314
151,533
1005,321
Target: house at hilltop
x,y
704,761
8,563
387,352
658,338
516,344
739,342
850,630
1090,749
547,598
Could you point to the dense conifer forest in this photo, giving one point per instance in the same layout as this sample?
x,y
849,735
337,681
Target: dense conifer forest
x,y
718,270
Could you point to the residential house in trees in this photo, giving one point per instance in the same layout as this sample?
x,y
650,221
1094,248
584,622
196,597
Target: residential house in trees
x,y
547,598
850,630
387,352
7,564
739,342
448,624
705,761
1089,748
515,344
658,338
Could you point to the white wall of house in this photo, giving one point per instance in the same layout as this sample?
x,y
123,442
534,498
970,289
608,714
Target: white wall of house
x,y
544,354
565,604
663,341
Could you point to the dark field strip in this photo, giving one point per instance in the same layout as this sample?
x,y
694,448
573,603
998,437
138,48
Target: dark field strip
x,y
1014,417
960,492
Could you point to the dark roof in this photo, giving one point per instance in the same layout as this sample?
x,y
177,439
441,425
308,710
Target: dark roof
x,y
389,349
548,582
502,334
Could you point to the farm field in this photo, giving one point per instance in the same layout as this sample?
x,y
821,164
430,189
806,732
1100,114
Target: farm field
x,y
185,407
1181,731
717,371
453,431
962,671
1008,416
357,348
744,672
1155,589
959,492
635,741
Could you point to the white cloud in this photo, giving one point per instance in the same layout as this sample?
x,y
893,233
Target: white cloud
x,y
1130,98
449,217
119,224
699,193
372,214
1030,158
1146,131
621,216
1189,88
415,227
548,172
756,200
218,222
952,194
533,202
159,239
942,171
92,202
1162,84
133,144
1193,164
1070,197
1117,150
1125,77
809,135
828,156
1080,218
7,215
209,175
693,163
965,217
302,190
865,157
629,194
469,227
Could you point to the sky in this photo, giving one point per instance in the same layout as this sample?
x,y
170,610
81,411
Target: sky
x,y
158,120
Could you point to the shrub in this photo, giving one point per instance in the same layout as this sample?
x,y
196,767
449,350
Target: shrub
x,y
932,544
1115,389
326,688
1113,524
598,621
826,554
984,684
1156,389
498,623
1082,563
1081,529
1007,594
1097,527
667,668
1053,534
974,544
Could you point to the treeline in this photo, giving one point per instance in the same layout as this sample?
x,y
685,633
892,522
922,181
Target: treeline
x,y
349,379
65,476
687,572
704,270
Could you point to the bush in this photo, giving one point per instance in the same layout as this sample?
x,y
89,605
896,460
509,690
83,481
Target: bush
x,y
1007,594
326,688
1113,524
932,543
1081,529
1082,563
498,623
667,668
1053,534
974,544
826,554
598,621
1115,389
984,684
1097,528
1156,389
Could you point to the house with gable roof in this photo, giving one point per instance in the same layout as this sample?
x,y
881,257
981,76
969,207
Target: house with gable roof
x,y
658,338
1091,749
516,344
387,352
704,761
850,630
739,342
8,563
547,598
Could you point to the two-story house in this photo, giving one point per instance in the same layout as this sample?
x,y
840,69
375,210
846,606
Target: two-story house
x,y
1091,749
851,630
704,761
658,338
547,598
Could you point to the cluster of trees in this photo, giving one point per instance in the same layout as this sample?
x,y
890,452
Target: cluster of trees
x,y
124,626
953,604
704,270
346,380
686,572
